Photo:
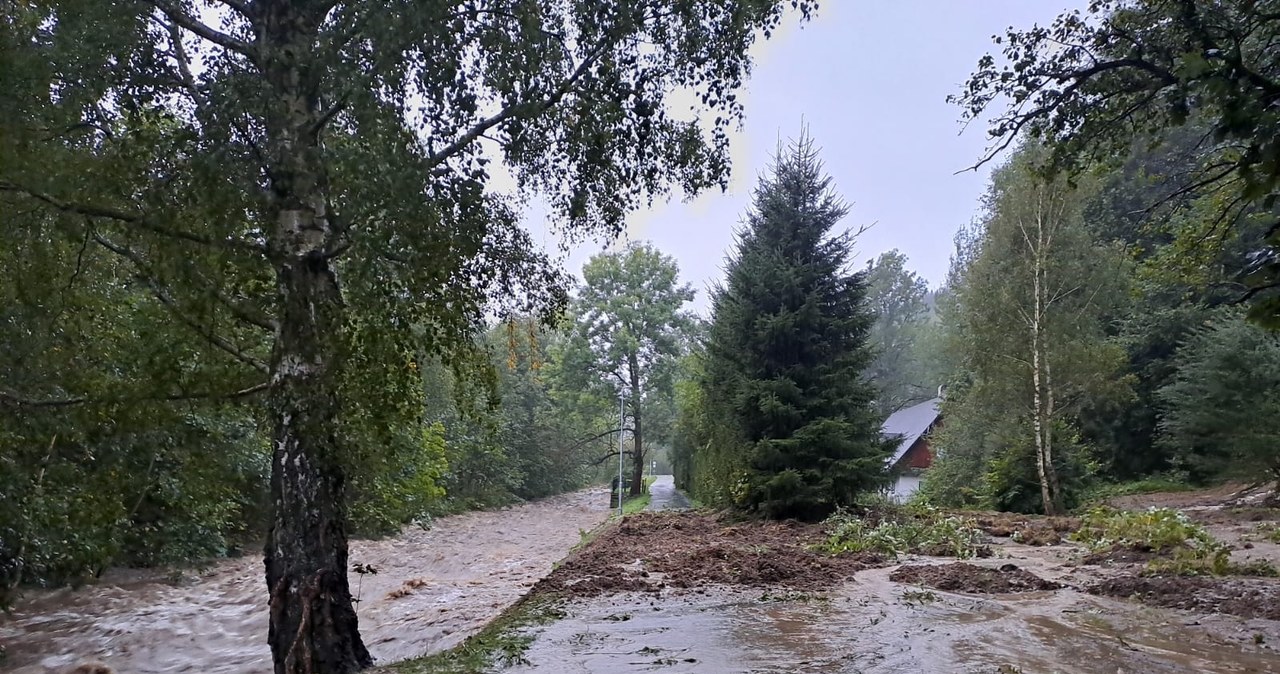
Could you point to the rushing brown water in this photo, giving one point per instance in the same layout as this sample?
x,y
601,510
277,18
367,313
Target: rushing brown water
x,y
433,588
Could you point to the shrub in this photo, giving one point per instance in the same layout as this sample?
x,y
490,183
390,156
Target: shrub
x,y
926,533
1187,549
1156,530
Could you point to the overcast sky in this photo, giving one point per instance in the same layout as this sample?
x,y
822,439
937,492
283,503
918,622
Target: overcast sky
x,y
870,79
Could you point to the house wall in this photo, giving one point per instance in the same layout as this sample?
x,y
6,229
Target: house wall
x,y
919,457
904,487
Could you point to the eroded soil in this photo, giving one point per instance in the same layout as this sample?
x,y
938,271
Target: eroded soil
x,y
1244,597
433,589
650,552
962,577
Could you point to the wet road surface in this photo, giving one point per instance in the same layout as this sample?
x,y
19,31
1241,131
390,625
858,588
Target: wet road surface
x,y
875,626
663,495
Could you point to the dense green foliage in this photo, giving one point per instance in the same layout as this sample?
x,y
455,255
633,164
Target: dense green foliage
x,y
1027,337
785,424
1089,84
1160,119
1221,411
169,482
924,532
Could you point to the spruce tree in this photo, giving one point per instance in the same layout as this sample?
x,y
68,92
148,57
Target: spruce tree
x,y
787,348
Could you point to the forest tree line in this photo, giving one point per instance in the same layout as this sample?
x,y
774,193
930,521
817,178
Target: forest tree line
x,y
123,474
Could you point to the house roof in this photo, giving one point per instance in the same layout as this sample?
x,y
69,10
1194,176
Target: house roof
x,y
908,425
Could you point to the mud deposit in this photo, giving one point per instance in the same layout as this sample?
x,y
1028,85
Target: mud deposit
x,y
690,593
1244,597
876,626
961,577
650,552
433,588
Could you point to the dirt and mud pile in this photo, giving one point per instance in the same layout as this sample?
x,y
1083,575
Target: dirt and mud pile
x,y
1025,529
961,577
655,551
1244,597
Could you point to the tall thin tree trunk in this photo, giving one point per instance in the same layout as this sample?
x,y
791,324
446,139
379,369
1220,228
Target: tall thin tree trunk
x,y
313,627
637,435
1055,485
1042,398
1037,417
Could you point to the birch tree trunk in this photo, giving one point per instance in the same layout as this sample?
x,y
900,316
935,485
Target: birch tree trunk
x,y
1042,383
313,625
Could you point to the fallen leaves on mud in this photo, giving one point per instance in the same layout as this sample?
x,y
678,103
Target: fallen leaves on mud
x,y
962,577
653,551
1247,598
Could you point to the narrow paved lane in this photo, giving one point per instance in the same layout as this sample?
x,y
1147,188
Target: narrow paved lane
x,y
663,495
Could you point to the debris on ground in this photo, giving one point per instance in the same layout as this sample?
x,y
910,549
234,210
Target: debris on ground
x,y
1247,598
1118,555
653,551
962,577
1036,530
1234,515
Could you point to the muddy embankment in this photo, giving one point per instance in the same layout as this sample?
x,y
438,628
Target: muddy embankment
x,y
691,593
433,588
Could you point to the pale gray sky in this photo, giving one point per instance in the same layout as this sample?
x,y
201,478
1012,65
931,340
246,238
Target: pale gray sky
x,y
870,79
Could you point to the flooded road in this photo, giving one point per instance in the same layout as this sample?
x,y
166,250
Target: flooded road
x,y
875,626
433,589
663,495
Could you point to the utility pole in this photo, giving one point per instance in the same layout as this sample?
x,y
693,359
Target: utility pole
x,y
622,425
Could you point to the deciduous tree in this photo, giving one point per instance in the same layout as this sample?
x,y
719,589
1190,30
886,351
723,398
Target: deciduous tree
x,y
629,330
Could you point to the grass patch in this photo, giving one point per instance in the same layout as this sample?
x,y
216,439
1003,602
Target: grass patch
x,y
1150,485
1267,531
917,530
502,643
635,504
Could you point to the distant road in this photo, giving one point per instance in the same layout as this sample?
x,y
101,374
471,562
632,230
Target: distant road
x,y
663,495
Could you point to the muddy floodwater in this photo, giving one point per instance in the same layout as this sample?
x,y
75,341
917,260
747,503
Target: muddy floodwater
x,y
873,625
433,589
766,607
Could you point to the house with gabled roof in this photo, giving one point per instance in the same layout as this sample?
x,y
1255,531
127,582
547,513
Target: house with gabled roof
x,y
911,428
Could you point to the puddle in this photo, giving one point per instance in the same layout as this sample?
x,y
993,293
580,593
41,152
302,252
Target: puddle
x,y
433,589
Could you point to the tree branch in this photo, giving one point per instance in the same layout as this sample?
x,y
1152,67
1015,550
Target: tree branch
x,y
180,17
143,274
518,109
11,399
133,219
598,436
